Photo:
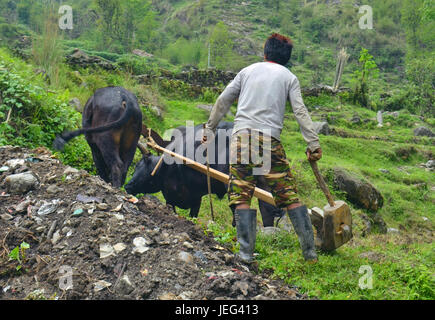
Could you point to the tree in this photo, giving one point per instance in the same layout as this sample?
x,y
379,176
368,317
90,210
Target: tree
x,y
221,46
367,69
126,23
138,22
110,20
411,18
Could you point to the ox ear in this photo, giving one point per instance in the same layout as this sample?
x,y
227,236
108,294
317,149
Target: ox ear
x,y
144,149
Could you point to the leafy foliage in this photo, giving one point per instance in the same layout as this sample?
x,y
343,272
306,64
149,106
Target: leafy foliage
x,y
367,70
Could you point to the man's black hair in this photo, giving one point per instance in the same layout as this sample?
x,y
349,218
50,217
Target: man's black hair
x,y
278,48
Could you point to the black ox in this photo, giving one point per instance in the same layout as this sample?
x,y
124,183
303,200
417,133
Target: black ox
x,y
112,125
184,187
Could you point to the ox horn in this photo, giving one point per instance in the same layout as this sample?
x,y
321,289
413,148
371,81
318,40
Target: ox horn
x,y
143,148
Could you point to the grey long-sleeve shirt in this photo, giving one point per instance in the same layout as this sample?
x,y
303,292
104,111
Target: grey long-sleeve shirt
x,y
263,89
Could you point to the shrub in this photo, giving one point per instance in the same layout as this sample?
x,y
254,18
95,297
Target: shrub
x,y
137,65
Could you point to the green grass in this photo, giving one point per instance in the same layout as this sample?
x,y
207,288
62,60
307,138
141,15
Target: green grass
x,y
405,269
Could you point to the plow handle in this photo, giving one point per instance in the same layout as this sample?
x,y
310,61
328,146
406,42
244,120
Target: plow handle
x,y
322,183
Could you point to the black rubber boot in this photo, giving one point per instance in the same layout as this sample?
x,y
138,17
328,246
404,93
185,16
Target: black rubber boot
x,y
302,225
246,225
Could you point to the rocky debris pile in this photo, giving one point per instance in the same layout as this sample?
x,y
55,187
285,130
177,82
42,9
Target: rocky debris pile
x,y
82,239
80,59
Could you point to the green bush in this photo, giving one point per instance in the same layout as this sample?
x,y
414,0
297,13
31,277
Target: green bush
x,y
32,116
137,65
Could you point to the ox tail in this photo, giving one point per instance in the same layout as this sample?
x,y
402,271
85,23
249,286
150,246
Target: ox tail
x,y
60,141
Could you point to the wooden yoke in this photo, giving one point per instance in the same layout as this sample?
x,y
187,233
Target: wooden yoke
x,y
215,174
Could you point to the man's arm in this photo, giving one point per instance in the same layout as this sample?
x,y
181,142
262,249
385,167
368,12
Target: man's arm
x,y
223,103
303,117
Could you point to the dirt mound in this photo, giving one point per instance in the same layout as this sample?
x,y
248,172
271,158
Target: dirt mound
x,y
89,241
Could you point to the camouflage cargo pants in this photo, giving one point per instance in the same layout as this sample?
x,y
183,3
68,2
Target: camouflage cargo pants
x,y
254,156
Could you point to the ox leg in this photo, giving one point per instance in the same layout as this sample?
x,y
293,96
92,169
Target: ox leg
x,y
128,149
100,164
110,152
194,210
127,160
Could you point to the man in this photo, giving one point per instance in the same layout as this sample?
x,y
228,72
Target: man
x,y
262,90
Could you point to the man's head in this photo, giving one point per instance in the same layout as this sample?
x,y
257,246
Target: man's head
x,y
278,48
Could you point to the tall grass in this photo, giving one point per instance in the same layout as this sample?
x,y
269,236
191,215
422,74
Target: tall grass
x,y
47,51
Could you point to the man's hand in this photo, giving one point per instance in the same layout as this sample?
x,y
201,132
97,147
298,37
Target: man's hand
x,y
314,156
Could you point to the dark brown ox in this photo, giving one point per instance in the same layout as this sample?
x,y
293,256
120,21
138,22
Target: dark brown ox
x,y
112,124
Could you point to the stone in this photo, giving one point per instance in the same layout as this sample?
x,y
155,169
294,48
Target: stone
x,y
70,170
188,245
86,199
142,53
269,231
118,216
201,256
322,128
22,206
75,102
140,245
21,182
56,237
241,286
356,119
392,230
423,132
14,163
157,111
100,285
372,256
103,206
185,257
53,189
6,217
119,247
48,207
168,296
430,164
125,286
106,250
359,192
